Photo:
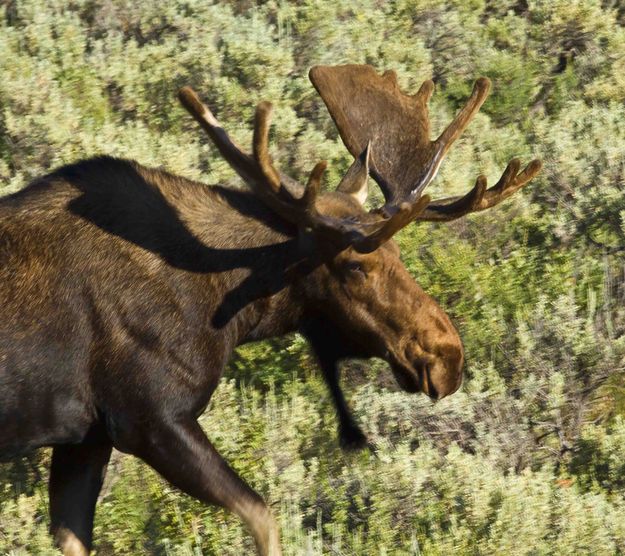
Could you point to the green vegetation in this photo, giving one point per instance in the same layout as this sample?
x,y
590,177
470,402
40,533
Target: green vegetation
x,y
529,458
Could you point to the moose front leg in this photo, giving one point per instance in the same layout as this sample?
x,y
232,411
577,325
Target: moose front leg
x,y
329,349
181,453
76,477
351,436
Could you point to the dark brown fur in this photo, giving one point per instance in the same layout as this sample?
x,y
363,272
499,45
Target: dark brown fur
x,y
123,292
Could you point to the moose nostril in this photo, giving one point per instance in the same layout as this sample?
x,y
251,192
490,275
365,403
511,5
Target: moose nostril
x,y
427,385
433,392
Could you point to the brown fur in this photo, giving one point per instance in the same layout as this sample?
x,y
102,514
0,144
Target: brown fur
x,y
124,291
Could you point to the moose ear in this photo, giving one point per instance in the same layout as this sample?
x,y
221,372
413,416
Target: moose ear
x,y
354,183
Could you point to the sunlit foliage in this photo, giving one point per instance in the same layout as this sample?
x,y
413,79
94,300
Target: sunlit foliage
x,y
529,458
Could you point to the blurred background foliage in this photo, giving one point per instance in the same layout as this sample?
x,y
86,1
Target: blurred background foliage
x,y
529,457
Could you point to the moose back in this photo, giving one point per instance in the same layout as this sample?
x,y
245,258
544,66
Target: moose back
x,y
124,291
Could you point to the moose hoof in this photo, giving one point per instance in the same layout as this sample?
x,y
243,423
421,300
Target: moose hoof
x,y
69,543
352,439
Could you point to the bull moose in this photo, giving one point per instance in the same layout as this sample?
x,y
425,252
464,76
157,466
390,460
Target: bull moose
x,y
125,289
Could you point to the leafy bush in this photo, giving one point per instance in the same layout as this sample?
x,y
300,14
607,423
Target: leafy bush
x,y
528,457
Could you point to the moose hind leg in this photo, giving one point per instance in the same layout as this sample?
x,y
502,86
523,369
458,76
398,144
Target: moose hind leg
x,y
76,477
182,454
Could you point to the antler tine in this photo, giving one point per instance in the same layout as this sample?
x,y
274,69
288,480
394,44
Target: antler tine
x,y
512,182
283,201
458,207
301,211
258,171
406,213
480,198
234,155
511,172
425,91
462,119
314,186
262,122
440,146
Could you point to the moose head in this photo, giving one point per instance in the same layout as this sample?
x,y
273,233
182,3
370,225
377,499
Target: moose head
x,y
360,299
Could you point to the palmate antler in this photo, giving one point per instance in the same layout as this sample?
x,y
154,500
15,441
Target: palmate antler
x,y
275,188
372,115
370,108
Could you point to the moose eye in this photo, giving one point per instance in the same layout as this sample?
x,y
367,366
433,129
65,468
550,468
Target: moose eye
x,y
356,269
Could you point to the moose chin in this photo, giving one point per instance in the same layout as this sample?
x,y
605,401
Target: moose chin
x,y
124,291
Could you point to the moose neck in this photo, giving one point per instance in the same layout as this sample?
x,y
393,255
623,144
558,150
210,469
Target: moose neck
x,y
250,263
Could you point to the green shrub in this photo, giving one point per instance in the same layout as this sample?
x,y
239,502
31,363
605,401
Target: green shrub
x,y
528,457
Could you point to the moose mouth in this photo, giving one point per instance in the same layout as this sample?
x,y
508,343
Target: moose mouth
x,y
412,378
